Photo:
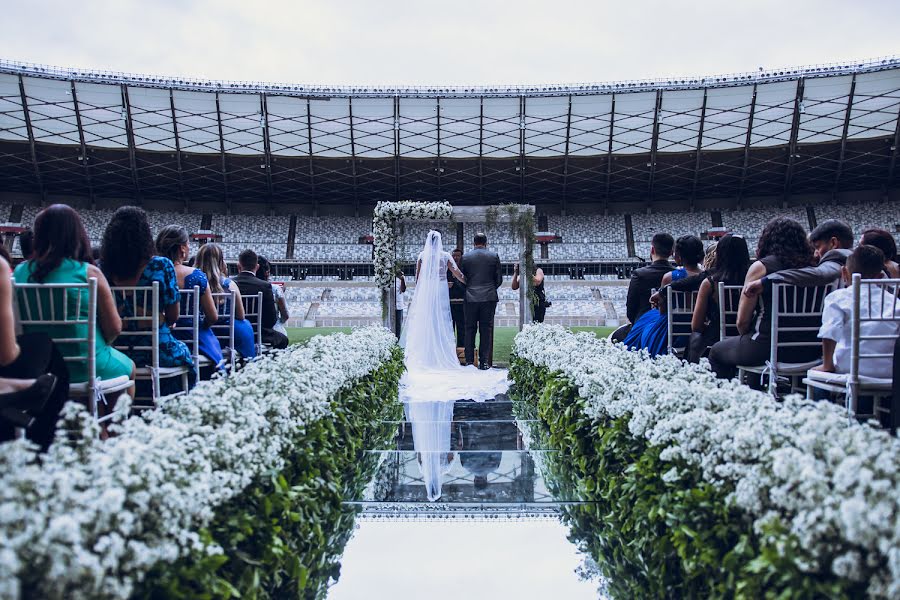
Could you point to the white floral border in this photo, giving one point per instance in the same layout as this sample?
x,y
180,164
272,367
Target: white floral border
x,y
385,236
833,484
90,519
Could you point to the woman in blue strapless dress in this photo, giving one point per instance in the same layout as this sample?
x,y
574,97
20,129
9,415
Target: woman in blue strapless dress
x,y
211,260
651,331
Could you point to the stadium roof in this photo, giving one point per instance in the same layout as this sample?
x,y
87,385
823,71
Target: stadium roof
x,y
824,129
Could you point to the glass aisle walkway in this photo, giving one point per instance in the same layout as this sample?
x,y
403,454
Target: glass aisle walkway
x,y
492,530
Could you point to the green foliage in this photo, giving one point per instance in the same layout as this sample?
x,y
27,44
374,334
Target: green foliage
x,y
284,535
654,538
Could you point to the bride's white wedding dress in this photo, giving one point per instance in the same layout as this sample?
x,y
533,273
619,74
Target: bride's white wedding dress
x,y
433,372
434,379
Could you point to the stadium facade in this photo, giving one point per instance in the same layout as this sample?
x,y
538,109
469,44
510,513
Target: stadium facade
x,y
821,134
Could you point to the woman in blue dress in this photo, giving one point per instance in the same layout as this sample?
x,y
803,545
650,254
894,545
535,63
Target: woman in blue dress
x,y
211,260
172,242
650,331
127,259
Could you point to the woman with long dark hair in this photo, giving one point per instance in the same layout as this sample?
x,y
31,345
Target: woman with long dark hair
x,y
782,245
62,254
128,258
730,266
172,242
211,260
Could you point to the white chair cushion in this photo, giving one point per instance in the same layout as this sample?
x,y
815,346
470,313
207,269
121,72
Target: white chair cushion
x,y
107,386
783,368
840,380
144,372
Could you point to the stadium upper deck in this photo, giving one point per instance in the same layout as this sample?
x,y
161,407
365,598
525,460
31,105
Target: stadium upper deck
x,y
787,136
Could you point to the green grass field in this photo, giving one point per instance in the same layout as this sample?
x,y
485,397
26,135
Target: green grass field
x,y
503,337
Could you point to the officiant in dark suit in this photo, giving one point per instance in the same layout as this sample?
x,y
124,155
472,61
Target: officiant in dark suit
x,y
481,268
457,290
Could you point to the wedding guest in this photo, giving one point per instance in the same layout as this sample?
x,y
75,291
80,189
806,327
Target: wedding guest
x,y
173,243
646,279
26,243
264,271
251,285
729,266
457,290
782,245
400,301
540,304
128,259
211,260
62,254
650,332
33,375
885,242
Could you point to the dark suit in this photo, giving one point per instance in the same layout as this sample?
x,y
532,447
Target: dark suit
x,y
457,309
481,268
251,285
827,271
642,281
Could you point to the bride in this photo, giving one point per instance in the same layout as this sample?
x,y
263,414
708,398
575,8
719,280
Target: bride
x,y
434,378
433,372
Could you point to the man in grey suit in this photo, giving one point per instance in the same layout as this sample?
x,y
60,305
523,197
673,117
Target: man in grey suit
x,y
481,268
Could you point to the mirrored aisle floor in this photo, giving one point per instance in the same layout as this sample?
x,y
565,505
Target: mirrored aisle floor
x,y
459,509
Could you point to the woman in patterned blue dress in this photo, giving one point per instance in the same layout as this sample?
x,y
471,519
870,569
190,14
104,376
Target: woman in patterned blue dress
x,y
127,260
172,242
211,260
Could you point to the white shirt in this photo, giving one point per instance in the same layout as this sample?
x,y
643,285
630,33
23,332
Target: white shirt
x,y
836,320
401,296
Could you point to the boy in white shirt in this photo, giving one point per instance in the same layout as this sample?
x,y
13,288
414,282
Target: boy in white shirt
x,y
868,261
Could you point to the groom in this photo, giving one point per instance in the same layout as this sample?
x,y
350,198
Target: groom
x,y
481,268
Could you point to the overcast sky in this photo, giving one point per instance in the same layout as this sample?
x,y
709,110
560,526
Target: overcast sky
x,y
448,42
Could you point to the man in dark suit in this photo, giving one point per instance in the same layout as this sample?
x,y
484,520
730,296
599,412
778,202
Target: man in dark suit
x,y
457,302
647,278
250,285
481,268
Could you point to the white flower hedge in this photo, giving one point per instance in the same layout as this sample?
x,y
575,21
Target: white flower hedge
x,y
90,519
833,484
385,237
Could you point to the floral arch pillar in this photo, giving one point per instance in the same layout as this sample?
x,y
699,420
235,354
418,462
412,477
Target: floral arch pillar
x,y
385,229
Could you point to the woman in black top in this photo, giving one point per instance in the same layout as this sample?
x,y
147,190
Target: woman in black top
x,y
539,308
782,245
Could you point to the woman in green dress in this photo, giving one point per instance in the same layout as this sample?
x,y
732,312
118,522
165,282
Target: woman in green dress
x,y
62,254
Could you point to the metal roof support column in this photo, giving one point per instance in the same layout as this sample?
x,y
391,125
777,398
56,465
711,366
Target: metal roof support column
x,y
309,149
224,158
440,168
699,148
184,198
353,159
397,148
844,132
28,128
565,194
481,150
129,133
609,156
522,149
84,156
893,164
654,144
792,144
746,162
267,151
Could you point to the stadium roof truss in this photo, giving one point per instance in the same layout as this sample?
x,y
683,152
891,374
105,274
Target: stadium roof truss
x,y
813,130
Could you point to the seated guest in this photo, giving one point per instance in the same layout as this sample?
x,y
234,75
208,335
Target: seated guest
x,y
263,272
34,379
127,255
646,280
832,242
251,285
885,242
782,245
26,243
730,266
650,332
172,242
837,319
62,254
211,260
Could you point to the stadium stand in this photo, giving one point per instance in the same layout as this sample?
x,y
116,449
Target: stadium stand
x,y
588,237
646,225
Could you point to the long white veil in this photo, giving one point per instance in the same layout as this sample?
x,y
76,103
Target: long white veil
x,y
434,379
